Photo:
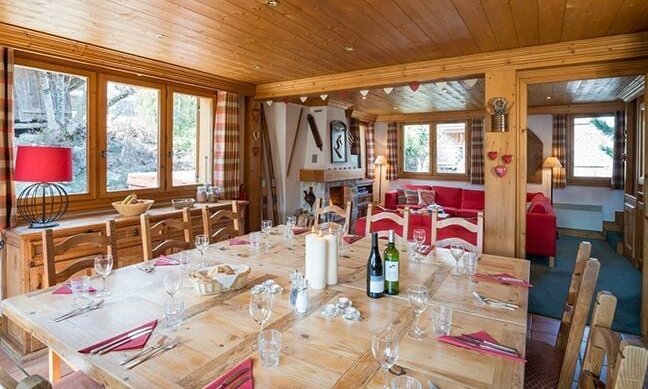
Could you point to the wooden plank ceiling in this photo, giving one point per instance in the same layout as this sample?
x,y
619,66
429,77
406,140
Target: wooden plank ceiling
x,y
578,92
250,41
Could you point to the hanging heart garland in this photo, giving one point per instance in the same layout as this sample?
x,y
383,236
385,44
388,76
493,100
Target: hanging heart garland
x,y
414,86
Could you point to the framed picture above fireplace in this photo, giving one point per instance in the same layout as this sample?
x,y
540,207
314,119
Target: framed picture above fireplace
x,y
339,141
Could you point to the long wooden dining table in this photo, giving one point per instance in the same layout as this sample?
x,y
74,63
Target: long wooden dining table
x,y
317,351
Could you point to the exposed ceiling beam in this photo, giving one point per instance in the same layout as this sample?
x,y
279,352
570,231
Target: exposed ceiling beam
x,y
614,48
430,116
62,48
577,108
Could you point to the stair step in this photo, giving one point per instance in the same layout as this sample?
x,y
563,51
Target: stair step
x,y
612,226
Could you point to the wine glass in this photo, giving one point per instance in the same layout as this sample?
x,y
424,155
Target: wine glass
x,y
202,242
266,226
419,238
291,221
386,350
260,307
418,297
172,283
103,266
457,250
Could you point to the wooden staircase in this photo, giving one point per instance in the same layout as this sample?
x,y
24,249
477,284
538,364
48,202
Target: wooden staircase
x,y
615,226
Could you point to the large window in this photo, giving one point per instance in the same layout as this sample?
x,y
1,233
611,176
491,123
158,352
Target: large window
x,y
51,109
435,150
592,140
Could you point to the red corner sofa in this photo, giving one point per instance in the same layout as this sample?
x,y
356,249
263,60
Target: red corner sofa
x,y
541,233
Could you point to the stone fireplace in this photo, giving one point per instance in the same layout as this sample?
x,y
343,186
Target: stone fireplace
x,y
336,185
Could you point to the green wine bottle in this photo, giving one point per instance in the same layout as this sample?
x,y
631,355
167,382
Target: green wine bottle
x,y
391,266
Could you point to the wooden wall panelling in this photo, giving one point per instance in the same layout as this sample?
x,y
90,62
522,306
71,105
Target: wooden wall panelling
x,y
501,192
253,163
522,144
644,274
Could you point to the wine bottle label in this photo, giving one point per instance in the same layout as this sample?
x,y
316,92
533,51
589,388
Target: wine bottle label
x,y
376,284
391,271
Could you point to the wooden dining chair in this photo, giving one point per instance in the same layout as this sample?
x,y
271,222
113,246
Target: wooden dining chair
x,y
458,229
332,209
627,360
552,366
391,220
213,225
87,242
167,232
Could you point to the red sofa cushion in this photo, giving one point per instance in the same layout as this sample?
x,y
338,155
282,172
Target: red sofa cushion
x,y
447,197
472,199
467,213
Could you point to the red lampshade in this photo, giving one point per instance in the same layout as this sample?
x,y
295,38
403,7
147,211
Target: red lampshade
x,y
43,164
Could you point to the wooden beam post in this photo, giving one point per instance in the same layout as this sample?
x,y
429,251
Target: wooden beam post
x,y
253,164
501,192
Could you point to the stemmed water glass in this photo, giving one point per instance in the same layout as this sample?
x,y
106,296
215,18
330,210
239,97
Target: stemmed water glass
x,y
172,283
418,297
291,222
266,226
386,350
202,242
103,266
419,238
457,250
260,307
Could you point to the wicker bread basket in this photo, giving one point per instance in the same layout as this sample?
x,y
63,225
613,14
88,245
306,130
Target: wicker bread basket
x,y
219,279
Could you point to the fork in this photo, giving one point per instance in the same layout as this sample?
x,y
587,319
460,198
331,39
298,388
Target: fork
x,y
159,344
159,350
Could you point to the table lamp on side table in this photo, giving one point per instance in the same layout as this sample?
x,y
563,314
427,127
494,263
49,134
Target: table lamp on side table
x,y
43,202
380,161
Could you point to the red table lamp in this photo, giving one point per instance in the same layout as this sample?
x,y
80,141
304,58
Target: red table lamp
x,y
43,202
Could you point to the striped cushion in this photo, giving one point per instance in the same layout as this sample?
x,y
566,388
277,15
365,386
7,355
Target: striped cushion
x,y
411,196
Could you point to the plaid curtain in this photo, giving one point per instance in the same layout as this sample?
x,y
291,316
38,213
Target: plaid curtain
x,y
354,131
476,150
370,155
559,148
7,195
392,151
226,144
618,167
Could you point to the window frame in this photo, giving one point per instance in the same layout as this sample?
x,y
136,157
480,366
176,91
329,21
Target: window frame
x,y
91,164
432,174
582,181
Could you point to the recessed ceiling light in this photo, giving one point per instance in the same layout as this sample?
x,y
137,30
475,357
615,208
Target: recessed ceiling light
x,y
257,66
161,36
349,48
395,107
548,97
272,3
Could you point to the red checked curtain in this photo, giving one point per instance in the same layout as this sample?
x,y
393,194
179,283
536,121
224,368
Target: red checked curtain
x,y
226,144
618,167
370,154
476,151
559,149
7,195
392,151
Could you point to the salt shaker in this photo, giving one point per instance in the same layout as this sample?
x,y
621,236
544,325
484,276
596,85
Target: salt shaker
x,y
302,304
295,279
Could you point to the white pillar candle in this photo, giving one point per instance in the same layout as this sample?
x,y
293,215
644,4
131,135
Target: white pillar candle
x,y
315,267
331,259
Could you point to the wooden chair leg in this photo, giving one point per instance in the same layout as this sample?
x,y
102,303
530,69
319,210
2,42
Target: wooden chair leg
x,y
54,366
552,261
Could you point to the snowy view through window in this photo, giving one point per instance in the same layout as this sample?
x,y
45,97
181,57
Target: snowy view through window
x,y
593,146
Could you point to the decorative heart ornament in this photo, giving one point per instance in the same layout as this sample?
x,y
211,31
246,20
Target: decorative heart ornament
x,y
414,86
500,171
492,155
256,113
507,158
286,100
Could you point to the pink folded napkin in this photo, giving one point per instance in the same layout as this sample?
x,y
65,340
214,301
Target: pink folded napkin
x,y
238,241
471,345
166,261
503,278
349,239
300,230
65,289
138,342
249,384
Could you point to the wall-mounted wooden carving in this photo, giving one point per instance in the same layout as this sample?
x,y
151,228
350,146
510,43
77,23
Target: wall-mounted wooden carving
x,y
315,131
534,158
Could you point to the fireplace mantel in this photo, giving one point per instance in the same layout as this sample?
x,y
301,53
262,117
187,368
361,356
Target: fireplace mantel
x,y
330,175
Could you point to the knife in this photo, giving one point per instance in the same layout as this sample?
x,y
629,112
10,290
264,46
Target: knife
x,y
239,382
147,351
481,344
491,344
233,378
118,342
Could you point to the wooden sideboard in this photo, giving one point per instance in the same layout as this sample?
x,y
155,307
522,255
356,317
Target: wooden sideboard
x,y
22,268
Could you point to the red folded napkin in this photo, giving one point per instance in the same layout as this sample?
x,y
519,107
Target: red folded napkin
x,y
300,230
481,335
65,289
249,384
349,239
135,343
166,261
238,241
503,278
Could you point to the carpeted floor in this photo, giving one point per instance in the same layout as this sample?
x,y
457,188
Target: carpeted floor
x,y
617,275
